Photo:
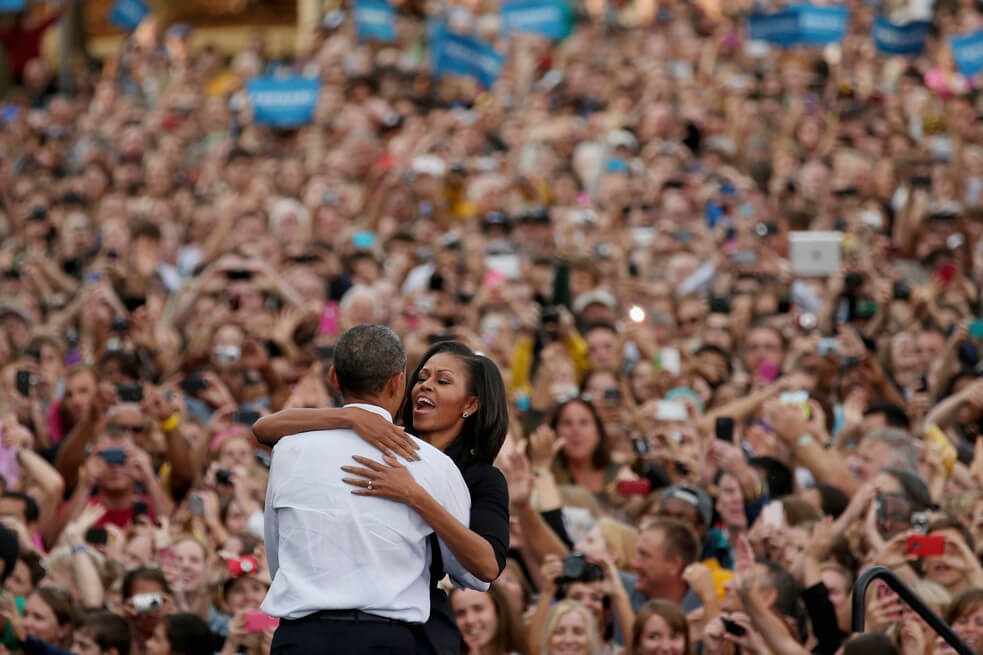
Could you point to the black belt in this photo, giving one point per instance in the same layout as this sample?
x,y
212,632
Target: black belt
x,y
348,616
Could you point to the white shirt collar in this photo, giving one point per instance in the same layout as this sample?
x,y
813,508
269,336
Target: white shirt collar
x,y
375,409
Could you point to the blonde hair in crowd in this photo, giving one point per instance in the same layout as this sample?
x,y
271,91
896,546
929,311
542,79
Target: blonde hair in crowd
x,y
560,610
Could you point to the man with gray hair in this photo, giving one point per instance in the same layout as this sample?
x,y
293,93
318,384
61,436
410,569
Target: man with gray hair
x,y
351,572
879,449
884,448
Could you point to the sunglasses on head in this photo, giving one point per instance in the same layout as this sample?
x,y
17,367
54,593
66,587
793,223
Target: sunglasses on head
x,y
118,428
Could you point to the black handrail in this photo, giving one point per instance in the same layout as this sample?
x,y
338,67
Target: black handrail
x,y
909,597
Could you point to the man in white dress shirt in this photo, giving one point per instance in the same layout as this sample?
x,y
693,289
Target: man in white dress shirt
x,y
351,573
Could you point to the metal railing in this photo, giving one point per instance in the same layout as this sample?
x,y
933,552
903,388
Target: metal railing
x,y
909,597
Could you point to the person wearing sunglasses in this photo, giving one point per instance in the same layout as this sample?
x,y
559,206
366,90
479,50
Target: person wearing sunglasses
x,y
120,477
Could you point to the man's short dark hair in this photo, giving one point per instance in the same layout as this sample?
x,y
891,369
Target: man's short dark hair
x,y
146,574
189,634
31,510
680,540
366,358
108,630
146,229
894,416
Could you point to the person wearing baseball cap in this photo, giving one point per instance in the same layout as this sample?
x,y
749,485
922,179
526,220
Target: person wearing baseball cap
x,y
688,504
693,506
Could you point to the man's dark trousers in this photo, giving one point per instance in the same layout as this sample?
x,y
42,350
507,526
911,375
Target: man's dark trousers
x,y
343,633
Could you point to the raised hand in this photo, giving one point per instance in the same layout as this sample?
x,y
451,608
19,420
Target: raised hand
x,y
749,642
544,446
15,435
518,472
390,480
551,570
699,577
216,393
388,438
884,610
76,529
155,405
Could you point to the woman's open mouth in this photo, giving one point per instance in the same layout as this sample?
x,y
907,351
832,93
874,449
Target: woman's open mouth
x,y
423,405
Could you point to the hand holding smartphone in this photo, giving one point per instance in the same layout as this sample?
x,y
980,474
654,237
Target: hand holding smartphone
x,y
724,428
257,621
734,628
773,515
926,545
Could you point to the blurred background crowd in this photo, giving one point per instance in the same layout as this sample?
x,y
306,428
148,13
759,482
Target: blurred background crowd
x,y
717,443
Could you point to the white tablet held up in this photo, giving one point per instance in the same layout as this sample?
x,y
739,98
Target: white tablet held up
x,y
815,254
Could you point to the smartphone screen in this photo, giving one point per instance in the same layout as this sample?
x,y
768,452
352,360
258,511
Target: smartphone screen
x,y
670,361
926,545
140,508
768,371
508,266
329,319
670,410
725,428
773,515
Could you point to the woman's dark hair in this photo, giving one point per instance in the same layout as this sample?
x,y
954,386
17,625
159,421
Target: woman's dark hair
x,y
35,565
870,643
484,431
601,456
510,637
672,615
187,634
61,606
951,523
832,500
798,511
146,574
589,375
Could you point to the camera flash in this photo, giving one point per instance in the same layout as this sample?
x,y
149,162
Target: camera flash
x,y
636,314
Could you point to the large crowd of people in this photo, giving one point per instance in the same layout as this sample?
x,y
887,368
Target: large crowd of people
x,y
703,447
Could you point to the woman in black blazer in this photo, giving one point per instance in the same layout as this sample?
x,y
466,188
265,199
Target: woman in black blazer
x,y
456,401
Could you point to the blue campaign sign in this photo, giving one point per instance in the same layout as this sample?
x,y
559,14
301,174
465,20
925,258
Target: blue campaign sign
x,y
127,14
801,24
375,20
287,102
13,5
893,39
968,53
781,28
461,55
822,25
551,18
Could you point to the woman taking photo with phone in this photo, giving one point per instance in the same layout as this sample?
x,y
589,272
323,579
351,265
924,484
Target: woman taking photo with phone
x,y
455,400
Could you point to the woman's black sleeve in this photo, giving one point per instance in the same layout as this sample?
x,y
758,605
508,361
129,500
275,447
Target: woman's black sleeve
x,y
490,508
822,615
